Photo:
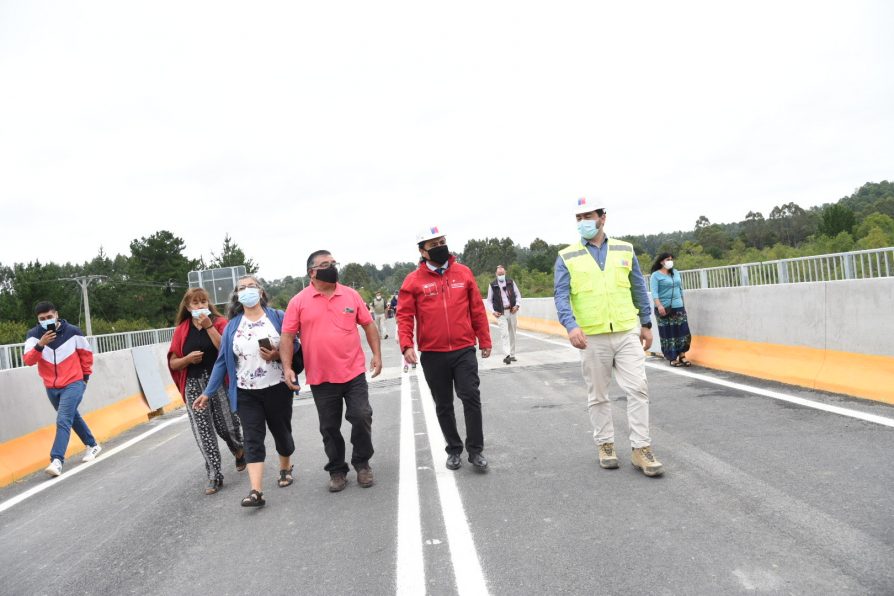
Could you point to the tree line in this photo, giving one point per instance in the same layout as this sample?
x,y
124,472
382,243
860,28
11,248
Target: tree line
x,y
141,290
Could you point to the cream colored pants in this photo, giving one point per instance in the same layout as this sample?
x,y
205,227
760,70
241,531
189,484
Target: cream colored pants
x,y
508,326
380,325
624,352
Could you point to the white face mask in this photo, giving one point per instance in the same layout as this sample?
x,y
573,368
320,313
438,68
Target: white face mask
x,y
669,264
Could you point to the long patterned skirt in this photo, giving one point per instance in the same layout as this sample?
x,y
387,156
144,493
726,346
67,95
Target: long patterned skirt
x,y
674,333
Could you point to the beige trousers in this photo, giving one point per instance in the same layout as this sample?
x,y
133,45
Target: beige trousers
x,y
623,352
380,324
508,325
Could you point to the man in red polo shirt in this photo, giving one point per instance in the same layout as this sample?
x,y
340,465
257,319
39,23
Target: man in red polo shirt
x,y
326,315
442,301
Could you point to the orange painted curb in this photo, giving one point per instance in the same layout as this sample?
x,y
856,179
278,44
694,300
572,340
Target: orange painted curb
x,y
859,375
27,454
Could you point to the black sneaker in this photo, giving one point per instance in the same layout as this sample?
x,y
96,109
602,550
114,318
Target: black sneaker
x,y
507,360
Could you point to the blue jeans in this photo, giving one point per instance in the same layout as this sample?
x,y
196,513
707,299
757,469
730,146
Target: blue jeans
x,y
66,402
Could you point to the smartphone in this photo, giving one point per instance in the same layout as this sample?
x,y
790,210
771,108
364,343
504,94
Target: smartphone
x,y
51,327
264,342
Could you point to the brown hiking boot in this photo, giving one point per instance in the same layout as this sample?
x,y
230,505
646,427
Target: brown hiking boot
x,y
607,456
338,482
365,477
644,459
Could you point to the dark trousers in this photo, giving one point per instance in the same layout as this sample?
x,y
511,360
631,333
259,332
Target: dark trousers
x,y
459,369
261,409
328,399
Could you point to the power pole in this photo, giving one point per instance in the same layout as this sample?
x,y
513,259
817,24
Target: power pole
x,y
84,281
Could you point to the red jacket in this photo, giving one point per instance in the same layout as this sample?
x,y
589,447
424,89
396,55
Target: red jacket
x,y
176,349
66,359
447,310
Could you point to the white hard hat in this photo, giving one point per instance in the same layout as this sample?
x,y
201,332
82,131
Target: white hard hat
x,y
585,205
429,234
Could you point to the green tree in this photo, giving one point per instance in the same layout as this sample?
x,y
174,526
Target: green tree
x,y
157,276
232,256
880,221
836,218
354,275
483,256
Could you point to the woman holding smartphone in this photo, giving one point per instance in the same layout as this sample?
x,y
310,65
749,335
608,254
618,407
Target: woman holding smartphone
x,y
249,356
191,357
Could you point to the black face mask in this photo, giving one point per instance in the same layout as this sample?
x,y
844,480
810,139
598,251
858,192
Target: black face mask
x,y
328,275
439,254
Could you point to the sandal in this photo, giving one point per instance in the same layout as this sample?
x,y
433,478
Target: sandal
x,y
676,363
254,499
685,362
214,486
285,477
240,460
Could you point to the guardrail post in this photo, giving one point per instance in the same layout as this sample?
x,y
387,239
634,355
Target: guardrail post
x,y
743,274
703,279
156,338
782,272
848,266
128,340
4,359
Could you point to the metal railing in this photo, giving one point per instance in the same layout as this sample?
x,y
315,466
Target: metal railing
x,y
11,355
861,264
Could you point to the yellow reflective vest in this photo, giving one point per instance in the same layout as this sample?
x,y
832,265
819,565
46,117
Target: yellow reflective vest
x,y
601,300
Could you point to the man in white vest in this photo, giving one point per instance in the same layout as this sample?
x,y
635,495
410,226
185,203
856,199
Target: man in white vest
x,y
601,299
503,301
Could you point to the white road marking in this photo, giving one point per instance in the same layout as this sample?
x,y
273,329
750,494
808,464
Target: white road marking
x,y
410,564
103,456
884,421
466,565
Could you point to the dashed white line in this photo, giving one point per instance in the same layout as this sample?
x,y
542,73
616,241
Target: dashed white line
x,y
105,455
410,564
463,555
883,420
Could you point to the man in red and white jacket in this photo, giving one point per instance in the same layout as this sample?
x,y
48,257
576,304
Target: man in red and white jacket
x,y
442,301
64,361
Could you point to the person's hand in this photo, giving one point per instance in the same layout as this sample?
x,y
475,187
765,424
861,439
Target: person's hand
x,y
645,336
204,321
291,379
269,355
662,311
410,356
498,314
578,339
514,309
194,357
375,366
46,339
485,353
201,403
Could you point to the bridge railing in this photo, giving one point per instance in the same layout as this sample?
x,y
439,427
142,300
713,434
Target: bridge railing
x,y
860,264
11,355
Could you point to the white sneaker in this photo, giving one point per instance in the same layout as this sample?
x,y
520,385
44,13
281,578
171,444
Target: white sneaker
x,y
55,468
92,452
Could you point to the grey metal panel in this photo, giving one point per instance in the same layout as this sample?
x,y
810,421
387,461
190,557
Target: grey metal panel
x,y
145,360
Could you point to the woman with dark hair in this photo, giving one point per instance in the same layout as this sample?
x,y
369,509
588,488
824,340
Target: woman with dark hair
x,y
191,357
249,356
667,294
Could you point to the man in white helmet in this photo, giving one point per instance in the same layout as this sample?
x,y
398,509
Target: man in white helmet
x,y
440,300
601,299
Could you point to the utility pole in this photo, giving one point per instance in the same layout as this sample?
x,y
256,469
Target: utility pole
x,y
84,281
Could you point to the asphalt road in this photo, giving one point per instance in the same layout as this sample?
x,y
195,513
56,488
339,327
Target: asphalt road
x,y
759,496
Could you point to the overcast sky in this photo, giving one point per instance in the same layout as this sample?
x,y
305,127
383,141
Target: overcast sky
x,y
348,126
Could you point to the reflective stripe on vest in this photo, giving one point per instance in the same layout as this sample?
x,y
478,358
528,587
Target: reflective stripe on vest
x,y
601,300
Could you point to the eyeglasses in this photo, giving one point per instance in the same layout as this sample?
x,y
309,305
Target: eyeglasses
x,y
255,286
326,265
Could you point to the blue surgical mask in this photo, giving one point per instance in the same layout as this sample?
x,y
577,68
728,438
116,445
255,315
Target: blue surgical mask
x,y
201,311
501,278
587,228
47,322
250,297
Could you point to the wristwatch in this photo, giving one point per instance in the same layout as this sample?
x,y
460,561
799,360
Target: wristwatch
x,y
647,325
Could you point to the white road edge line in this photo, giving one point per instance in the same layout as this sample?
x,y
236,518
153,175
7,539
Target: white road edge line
x,y
464,556
884,421
410,563
105,455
